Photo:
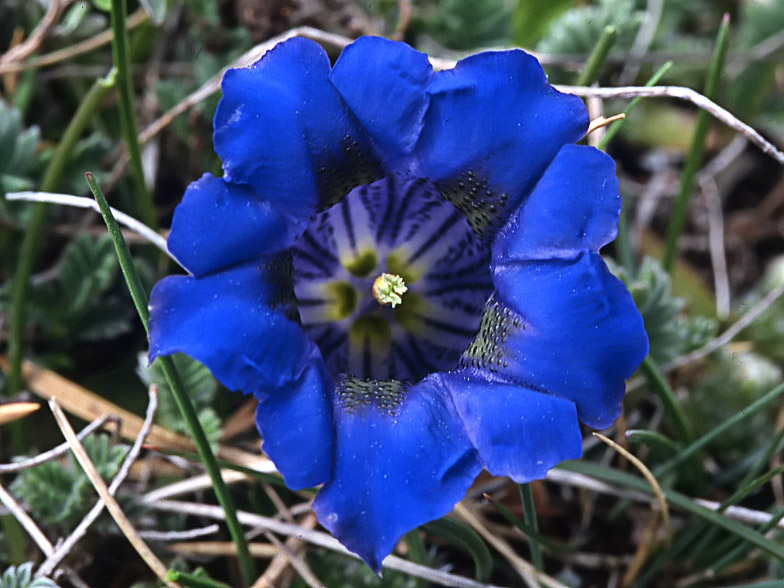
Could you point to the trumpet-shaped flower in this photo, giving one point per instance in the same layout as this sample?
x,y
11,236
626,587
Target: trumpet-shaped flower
x,y
402,266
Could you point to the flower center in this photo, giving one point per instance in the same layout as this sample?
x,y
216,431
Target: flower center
x,y
388,289
354,262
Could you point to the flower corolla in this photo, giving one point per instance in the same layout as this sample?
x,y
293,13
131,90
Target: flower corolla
x,y
466,189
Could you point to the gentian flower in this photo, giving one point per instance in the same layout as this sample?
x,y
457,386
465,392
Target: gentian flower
x,y
402,266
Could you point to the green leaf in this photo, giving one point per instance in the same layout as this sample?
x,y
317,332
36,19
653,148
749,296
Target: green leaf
x,y
533,18
200,385
22,577
468,24
103,5
17,149
88,268
577,31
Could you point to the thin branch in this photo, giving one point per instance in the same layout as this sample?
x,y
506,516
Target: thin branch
x,y
111,504
81,202
91,44
681,93
35,39
8,468
64,547
295,560
27,523
320,539
180,535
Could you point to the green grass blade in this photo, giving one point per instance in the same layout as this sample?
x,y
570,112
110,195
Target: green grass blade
x,y
692,449
178,392
466,538
678,218
671,405
598,56
32,236
678,500
146,209
529,510
616,126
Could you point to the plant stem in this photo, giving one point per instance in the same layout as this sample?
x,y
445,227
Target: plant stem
x,y
529,510
32,234
184,403
144,202
678,218
598,56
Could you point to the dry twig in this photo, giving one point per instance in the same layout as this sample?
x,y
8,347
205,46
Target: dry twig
x,y
27,523
111,504
320,539
64,547
54,453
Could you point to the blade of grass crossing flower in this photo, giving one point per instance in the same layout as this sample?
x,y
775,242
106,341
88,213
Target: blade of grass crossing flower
x,y
465,537
32,236
598,56
529,511
145,205
616,126
671,404
693,159
678,500
180,396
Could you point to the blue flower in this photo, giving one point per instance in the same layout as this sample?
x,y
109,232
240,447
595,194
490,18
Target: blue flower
x,y
465,187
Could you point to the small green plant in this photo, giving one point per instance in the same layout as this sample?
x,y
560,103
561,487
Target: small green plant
x,y
60,494
22,577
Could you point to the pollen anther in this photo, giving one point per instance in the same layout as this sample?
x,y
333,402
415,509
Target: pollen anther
x,y
388,289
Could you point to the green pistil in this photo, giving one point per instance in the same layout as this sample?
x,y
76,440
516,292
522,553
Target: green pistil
x,y
344,299
388,289
363,264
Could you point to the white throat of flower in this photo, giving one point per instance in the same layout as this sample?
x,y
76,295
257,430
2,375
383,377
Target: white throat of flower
x,y
388,289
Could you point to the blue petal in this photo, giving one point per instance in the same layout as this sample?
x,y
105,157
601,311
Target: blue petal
x,y
395,470
383,83
518,432
574,207
572,331
493,126
295,422
234,322
282,127
219,224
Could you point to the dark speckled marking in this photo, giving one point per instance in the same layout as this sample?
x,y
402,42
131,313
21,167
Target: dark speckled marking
x,y
338,175
484,210
386,395
486,351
